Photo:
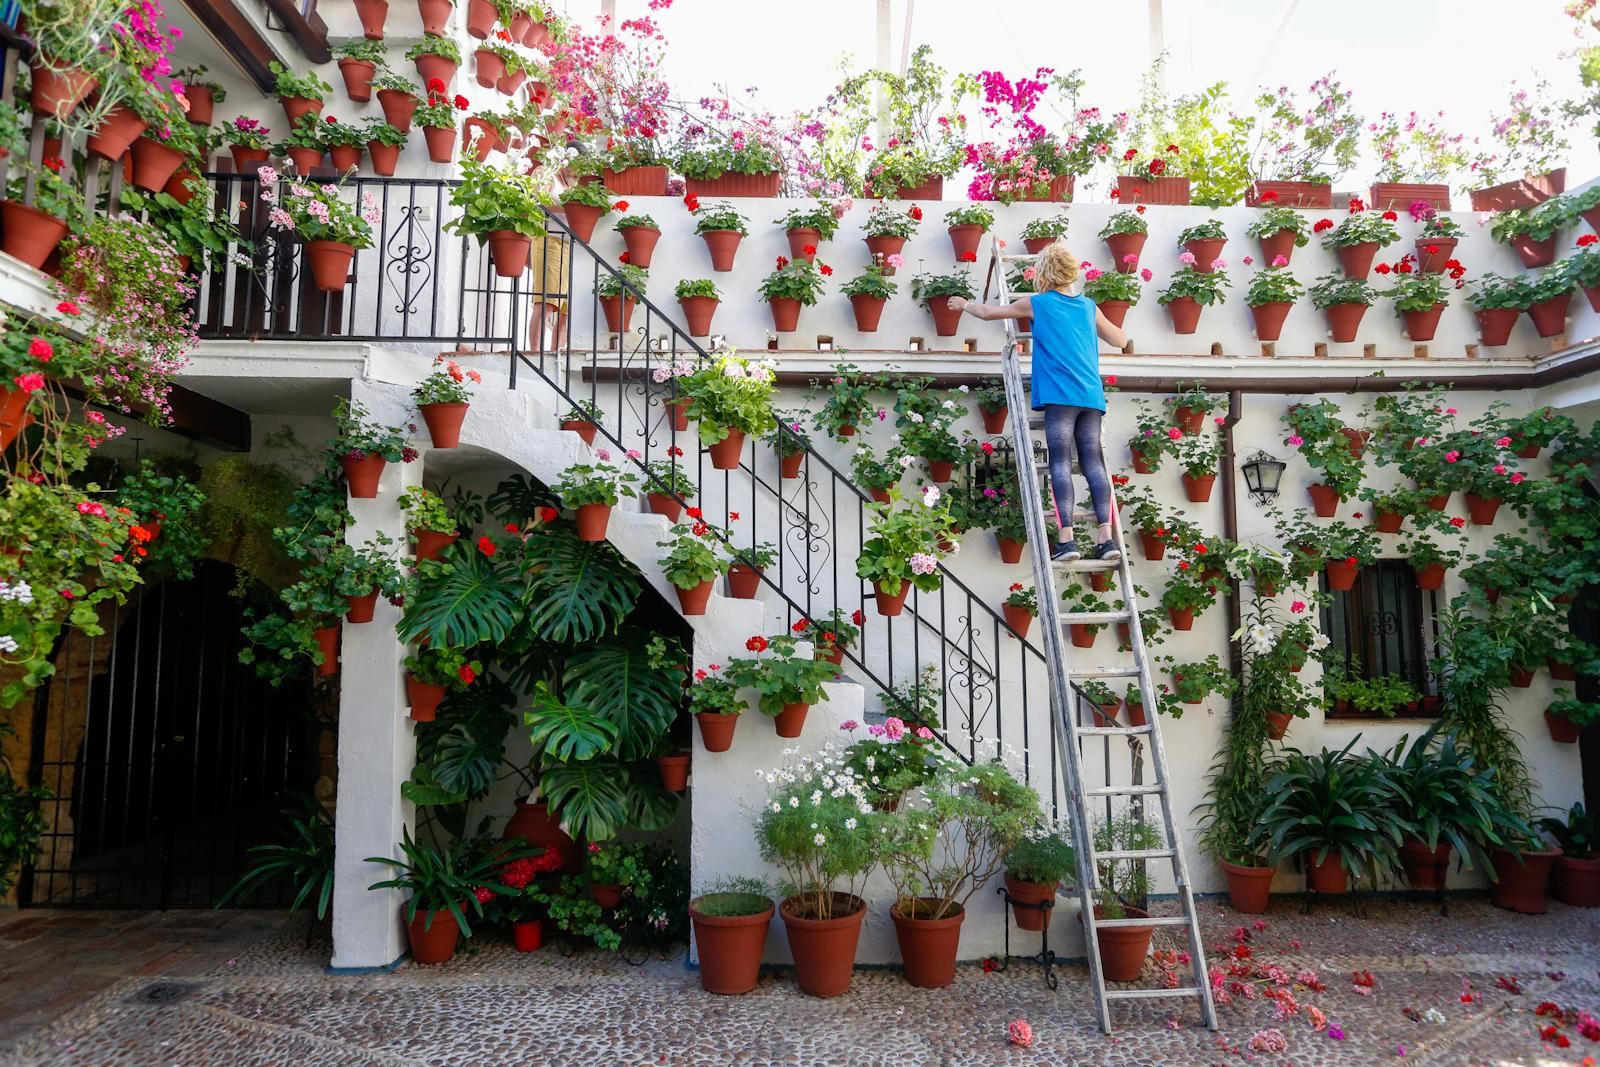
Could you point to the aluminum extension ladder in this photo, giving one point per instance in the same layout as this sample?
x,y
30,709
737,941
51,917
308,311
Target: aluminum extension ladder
x,y
1063,703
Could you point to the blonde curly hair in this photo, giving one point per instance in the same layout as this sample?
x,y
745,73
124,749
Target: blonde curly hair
x,y
1055,267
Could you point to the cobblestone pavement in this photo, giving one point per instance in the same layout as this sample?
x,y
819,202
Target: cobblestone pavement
x,y
269,1002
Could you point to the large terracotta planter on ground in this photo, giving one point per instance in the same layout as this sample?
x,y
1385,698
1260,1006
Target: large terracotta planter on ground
x,y
928,946
1356,260
891,604
444,423
716,730
330,264
732,183
541,828
1576,882
1344,320
1030,893
433,936
618,311
1123,948
722,244
693,601
725,453
1288,194
825,949
791,721
424,698
1327,876
362,472
593,519
30,235
1425,867
1550,316
1122,246
1422,325
1399,196
785,313
1133,190
697,313
868,311
1269,319
1494,325
1249,888
1432,262
1520,878
802,238
1185,312
730,949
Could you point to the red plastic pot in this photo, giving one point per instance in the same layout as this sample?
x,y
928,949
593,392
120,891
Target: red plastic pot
x,y
1342,574
697,313
641,243
716,730
1082,635
304,160
1030,894
1344,320
802,238
330,264
1249,888
362,472
154,163
444,423
1198,487
1269,319
824,950
1550,316
1482,509
722,244
928,946
508,83
1422,325
527,936
663,504
432,543
868,311
725,453
1324,500
488,67
1356,260
678,412
1153,547
791,720
538,826
593,519
891,604
1018,618
1189,420
424,698
1433,253
964,241
1122,246
433,936
327,638
1494,325
1521,677
744,581
1010,551
674,770
785,313
1520,878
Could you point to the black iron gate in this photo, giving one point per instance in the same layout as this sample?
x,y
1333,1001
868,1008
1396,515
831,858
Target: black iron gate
x,y
166,758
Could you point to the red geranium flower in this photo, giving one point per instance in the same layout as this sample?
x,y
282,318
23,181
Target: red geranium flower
x,y
801,626
1383,268
1268,196
782,262
756,644
825,269
855,616
967,257
435,85
67,307
467,674
623,258
1157,166
693,513
1356,205
1322,224
810,250
691,202
621,205
1391,216
461,102
1587,239
1129,155
916,213
549,514
486,546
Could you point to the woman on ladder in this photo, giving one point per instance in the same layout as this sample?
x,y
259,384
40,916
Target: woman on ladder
x,y
1066,387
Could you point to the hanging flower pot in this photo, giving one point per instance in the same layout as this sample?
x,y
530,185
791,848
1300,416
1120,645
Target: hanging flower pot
x,y
154,163
1494,325
641,242
1433,253
1422,325
890,604
1520,878
346,157
697,313
606,894
1123,948
1430,577
882,247
941,470
868,311
1521,677
1324,500
674,769
964,240
1327,875
398,108
424,698
1562,729
791,720
528,936
1269,319
730,948
432,543
1534,253
433,936
373,14
295,106
1278,724
664,504
435,15
1387,522
824,949
582,427
30,235
928,946
1185,314
1550,316
1278,244
1342,573
785,313
1152,545
723,246
361,608
245,159
508,83
1344,320
304,159
1266,588
1115,311
1100,581
432,66
592,522
946,319
327,638
1122,246
802,238
1205,251
678,411
618,311
385,158
481,15
1018,617
1083,635
330,264
581,219
1438,503
1356,260
716,730
488,66
1559,672
1035,245
362,470
116,132
444,423
509,250
725,453
58,90
1482,509
744,581
519,26
1198,487
1182,618
357,74
1249,888
1010,551
1189,420
994,419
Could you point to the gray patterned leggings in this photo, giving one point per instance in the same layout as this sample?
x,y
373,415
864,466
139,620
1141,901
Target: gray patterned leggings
x,y
1066,427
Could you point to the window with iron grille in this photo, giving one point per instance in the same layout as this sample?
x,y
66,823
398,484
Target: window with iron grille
x,y
1382,626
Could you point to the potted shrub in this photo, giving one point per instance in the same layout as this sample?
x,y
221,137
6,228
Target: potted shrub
x,y
791,285
1190,291
1125,233
1358,238
869,291
730,922
737,165
1419,298
732,398
1035,867
612,870
1436,244
592,492
1020,608
903,548
1280,232
941,849
1576,882
363,447
383,142
437,58
1548,297
1113,292
584,205
332,229
1497,303
1272,293
808,227
786,684
431,672
886,232
1521,870
358,63
1042,231
722,228
1122,882
1336,812
501,209
1344,301
248,142
826,851
1199,455
692,564
933,291
300,94
698,297
428,521
399,97
966,226
715,703
442,888
618,291
1531,233
640,234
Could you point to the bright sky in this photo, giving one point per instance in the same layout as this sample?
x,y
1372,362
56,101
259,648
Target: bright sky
x,y
1397,55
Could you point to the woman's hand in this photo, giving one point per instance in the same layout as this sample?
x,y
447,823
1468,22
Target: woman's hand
x,y
958,302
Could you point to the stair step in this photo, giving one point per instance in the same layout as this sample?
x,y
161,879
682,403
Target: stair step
x,y
1090,618
1135,854
1100,671
1122,790
1151,994
1111,731
1154,920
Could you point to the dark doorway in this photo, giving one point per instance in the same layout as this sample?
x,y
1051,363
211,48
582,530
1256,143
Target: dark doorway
x,y
167,759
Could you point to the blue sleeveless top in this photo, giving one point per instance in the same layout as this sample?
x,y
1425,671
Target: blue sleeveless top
x,y
1066,352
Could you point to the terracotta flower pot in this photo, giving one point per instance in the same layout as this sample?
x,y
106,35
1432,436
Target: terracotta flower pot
x,y
730,949
1577,882
697,313
1083,635
398,107
509,251
716,730
618,311
424,698
744,581
330,264
1123,948
385,158
304,160
946,319
1494,325
1278,724
1278,244
1269,319
327,638
1356,260
435,14
674,770
1030,894
641,243
785,313
802,238
1560,672
606,894
361,608
636,181
1289,194
1482,509
664,504
357,75
1422,325
1440,502
1153,547
994,420
581,220
891,604
373,14
1550,316
723,246
1520,878
1132,189
1433,253
1521,677
1185,312
1182,618
1115,311
1122,246
154,163
1328,876
1010,551
539,827
725,453
1018,618
1035,245
1249,888
592,522
431,66
964,241
362,472
1563,731
732,183
881,248
1387,522
488,67
1324,500
1205,251
789,466
1198,487
678,412
1425,867
1344,320
433,936
432,543
1342,574
527,936
1534,253
1189,420
791,720
693,600
868,311
295,106
1430,577
444,423
30,235
58,90
824,949
509,82
246,160
116,132
582,427
928,946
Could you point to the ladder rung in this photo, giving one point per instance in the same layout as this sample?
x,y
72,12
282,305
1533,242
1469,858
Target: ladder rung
x,y
1154,920
1111,731
1122,790
1136,854
1105,672
1093,618
1013,258
1151,994
1080,565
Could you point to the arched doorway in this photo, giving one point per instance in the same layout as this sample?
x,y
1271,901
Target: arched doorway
x,y
167,758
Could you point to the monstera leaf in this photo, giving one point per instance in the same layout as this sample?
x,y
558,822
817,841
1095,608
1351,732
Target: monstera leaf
x,y
592,797
519,498
424,789
576,590
616,682
565,732
469,601
650,805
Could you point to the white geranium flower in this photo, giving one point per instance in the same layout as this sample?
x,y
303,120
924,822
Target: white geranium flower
x,y
916,418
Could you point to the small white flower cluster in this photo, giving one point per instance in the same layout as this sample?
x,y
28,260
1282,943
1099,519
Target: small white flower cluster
x,y
21,592
8,644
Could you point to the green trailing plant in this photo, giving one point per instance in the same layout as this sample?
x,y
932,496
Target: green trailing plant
x,y
1383,695
287,83
492,200
584,484
170,501
693,287
870,282
1536,224
730,393
1209,230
